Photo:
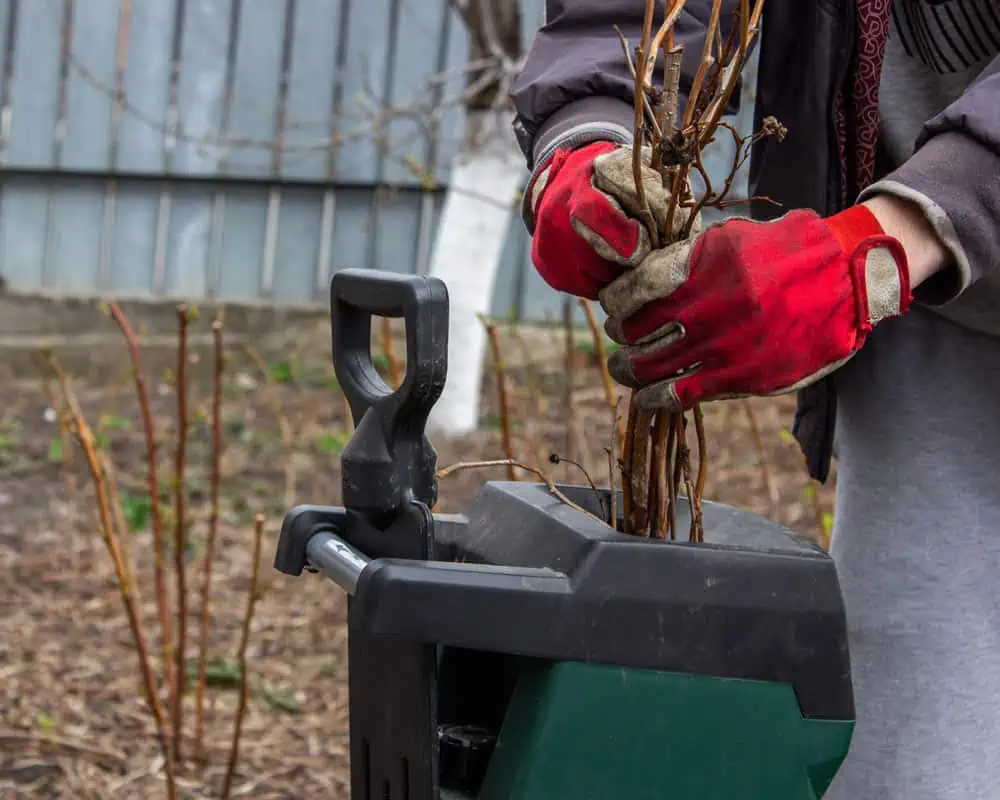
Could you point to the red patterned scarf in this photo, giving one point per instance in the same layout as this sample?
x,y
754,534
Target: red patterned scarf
x,y
857,119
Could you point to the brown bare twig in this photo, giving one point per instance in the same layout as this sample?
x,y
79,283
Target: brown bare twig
x,y
675,151
389,350
602,361
159,543
762,462
180,526
213,531
234,752
85,438
502,396
507,462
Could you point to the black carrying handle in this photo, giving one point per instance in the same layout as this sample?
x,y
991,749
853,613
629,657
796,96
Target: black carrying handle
x,y
389,459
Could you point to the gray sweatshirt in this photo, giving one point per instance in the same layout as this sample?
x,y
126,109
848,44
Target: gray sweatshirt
x,y
935,51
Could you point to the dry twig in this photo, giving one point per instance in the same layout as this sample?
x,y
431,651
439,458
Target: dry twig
x,y
85,438
156,513
213,530
389,350
602,361
180,526
444,472
234,752
762,462
502,396
650,487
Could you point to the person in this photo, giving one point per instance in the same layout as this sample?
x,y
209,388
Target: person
x,y
872,292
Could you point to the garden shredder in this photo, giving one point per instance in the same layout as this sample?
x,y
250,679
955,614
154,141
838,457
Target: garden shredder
x,y
526,650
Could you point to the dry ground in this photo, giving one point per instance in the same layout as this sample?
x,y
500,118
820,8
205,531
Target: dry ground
x,y
73,721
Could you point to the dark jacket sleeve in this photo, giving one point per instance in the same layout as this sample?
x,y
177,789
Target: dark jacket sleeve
x,y
954,176
575,87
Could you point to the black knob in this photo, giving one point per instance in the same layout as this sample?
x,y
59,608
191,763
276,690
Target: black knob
x,y
464,752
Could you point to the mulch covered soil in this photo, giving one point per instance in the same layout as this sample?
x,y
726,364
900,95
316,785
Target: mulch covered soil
x,y
73,719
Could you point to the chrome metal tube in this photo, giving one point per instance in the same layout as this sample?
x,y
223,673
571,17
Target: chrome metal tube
x,y
337,560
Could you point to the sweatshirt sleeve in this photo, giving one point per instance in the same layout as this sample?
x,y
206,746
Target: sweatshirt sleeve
x,y
954,177
575,87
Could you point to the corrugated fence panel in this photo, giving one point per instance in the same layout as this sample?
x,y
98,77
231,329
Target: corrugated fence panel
x,y
33,112
407,152
90,85
77,222
448,135
5,14
147,85
142,147
203,80
134,237
352,229
75,227
257,79
265,162
248,234
300,235
397,230
189,240
316,41
205,32
34,92
371,27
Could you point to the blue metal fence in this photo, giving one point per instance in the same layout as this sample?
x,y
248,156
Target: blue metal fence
x,y
221,149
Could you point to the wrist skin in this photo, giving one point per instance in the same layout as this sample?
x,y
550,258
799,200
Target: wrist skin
x,y
903,220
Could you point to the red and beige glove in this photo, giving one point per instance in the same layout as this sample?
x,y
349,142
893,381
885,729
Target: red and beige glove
x,y
586,210
753,308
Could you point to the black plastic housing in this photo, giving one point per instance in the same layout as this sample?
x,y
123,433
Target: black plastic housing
x,y
750,602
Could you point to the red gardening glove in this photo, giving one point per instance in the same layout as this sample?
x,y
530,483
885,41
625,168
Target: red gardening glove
x,y
753,308
586,212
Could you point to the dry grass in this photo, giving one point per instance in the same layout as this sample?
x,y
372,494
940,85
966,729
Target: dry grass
x,y
73,720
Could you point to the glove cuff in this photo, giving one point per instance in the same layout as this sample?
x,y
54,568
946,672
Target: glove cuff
x,y
547,169
878,266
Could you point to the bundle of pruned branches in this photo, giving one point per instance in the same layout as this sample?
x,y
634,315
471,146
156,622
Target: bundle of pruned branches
x,y
655,460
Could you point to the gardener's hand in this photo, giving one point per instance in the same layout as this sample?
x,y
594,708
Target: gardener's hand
x,y
753,308
587,215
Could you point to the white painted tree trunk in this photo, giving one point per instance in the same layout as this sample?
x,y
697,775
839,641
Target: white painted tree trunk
x,y
485,179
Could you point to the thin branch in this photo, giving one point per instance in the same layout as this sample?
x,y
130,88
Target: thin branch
x,y
665,31
556,459
213,532
638,101
389,350
639,474
502,398
85,438
180,526
706,63
602,360
762,462
575,447
630,442
507,462
659,501
671,475
159,543
234,752
650,114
